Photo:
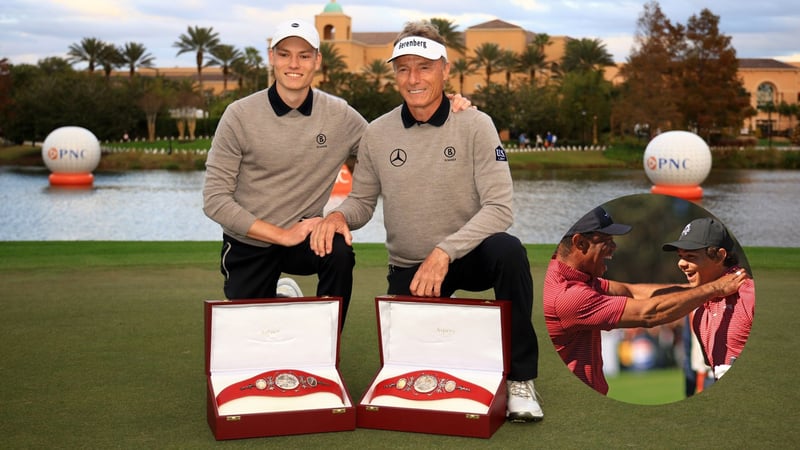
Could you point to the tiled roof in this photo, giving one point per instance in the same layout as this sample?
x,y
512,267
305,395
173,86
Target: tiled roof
x,y
494,24
763,63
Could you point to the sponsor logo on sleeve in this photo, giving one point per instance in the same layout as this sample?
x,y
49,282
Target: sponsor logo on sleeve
x,y
500,154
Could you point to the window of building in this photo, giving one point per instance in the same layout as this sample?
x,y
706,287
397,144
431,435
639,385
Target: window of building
x,y
765,94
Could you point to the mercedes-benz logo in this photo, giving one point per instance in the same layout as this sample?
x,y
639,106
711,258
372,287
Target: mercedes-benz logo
x,y
398,157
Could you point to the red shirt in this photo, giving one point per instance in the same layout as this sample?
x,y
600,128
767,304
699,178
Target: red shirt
x,y
576,308
722,324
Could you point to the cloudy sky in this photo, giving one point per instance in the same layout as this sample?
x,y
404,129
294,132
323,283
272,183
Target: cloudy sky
x,y
34,29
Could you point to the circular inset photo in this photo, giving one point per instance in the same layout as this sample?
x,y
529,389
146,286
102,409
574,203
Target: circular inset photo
x,y
649,299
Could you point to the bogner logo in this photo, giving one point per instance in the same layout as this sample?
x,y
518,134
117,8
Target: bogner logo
x,y
449,154
412,43
321,140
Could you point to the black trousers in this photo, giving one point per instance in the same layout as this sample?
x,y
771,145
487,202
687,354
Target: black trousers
x,y
499,262
253,272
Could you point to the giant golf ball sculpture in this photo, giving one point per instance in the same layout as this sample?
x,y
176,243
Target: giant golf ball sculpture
x,y
677,162
71,154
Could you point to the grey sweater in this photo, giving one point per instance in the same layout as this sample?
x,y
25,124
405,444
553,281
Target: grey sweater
x,y
279,169
448,187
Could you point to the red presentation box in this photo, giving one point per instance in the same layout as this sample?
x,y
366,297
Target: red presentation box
x,y
271,368
444,363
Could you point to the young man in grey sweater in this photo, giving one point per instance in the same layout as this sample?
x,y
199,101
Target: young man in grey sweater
x,y
272,165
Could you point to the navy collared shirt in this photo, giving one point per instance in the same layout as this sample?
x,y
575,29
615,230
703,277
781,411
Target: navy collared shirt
x,y
437,119
281,108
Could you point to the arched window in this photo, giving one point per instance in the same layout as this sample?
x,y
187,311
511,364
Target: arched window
x,y
765,94
329,33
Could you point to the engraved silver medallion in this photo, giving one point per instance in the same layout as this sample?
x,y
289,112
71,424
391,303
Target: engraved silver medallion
x,y
287,381
425,384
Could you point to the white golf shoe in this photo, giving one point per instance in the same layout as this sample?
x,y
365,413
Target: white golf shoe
x,y
287,287
523,402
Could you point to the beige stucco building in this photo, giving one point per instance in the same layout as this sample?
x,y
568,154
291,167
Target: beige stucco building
x,y
764,79
770,80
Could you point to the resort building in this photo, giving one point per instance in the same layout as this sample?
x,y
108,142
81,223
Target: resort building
x,y
765,79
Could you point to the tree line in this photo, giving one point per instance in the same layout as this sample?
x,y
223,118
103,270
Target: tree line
x,y
676,77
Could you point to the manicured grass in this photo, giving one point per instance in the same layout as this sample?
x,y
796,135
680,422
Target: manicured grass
x,y
102,347
653,387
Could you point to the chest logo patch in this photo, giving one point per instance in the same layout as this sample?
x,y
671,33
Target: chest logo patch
x,y
398,157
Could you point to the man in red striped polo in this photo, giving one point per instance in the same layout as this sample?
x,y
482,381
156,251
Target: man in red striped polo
x,y
722,323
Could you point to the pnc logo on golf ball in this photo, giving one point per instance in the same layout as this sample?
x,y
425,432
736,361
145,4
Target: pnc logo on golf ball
x,y
71,154
677,162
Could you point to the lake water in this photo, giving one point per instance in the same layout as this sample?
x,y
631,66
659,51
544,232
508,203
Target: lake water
x,y
759,207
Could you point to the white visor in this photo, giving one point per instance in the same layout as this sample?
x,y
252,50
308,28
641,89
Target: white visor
x,y
420,46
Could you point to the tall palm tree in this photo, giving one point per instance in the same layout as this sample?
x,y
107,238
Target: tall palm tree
x,y
332,61
87,51
199,40
452,38
110,58
247,68
509,62
542,40
378,72
135,55
224,55
254,60
532,61
487,57
586,55
461,68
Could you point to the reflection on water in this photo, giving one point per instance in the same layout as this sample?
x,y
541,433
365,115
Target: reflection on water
x,y
757,206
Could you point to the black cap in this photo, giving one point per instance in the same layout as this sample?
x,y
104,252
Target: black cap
x,y
598,221
701,233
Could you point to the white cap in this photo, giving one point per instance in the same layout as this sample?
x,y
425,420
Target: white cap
x,y
298,28
420,46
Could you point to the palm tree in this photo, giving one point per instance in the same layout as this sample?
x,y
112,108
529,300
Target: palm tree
x,y
254,60
586,55
248,69
487,56
110,58
332,61
378,71
509,62
135,55
542,40
199,40
452,38
461,67
224,55
87,51
532,60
